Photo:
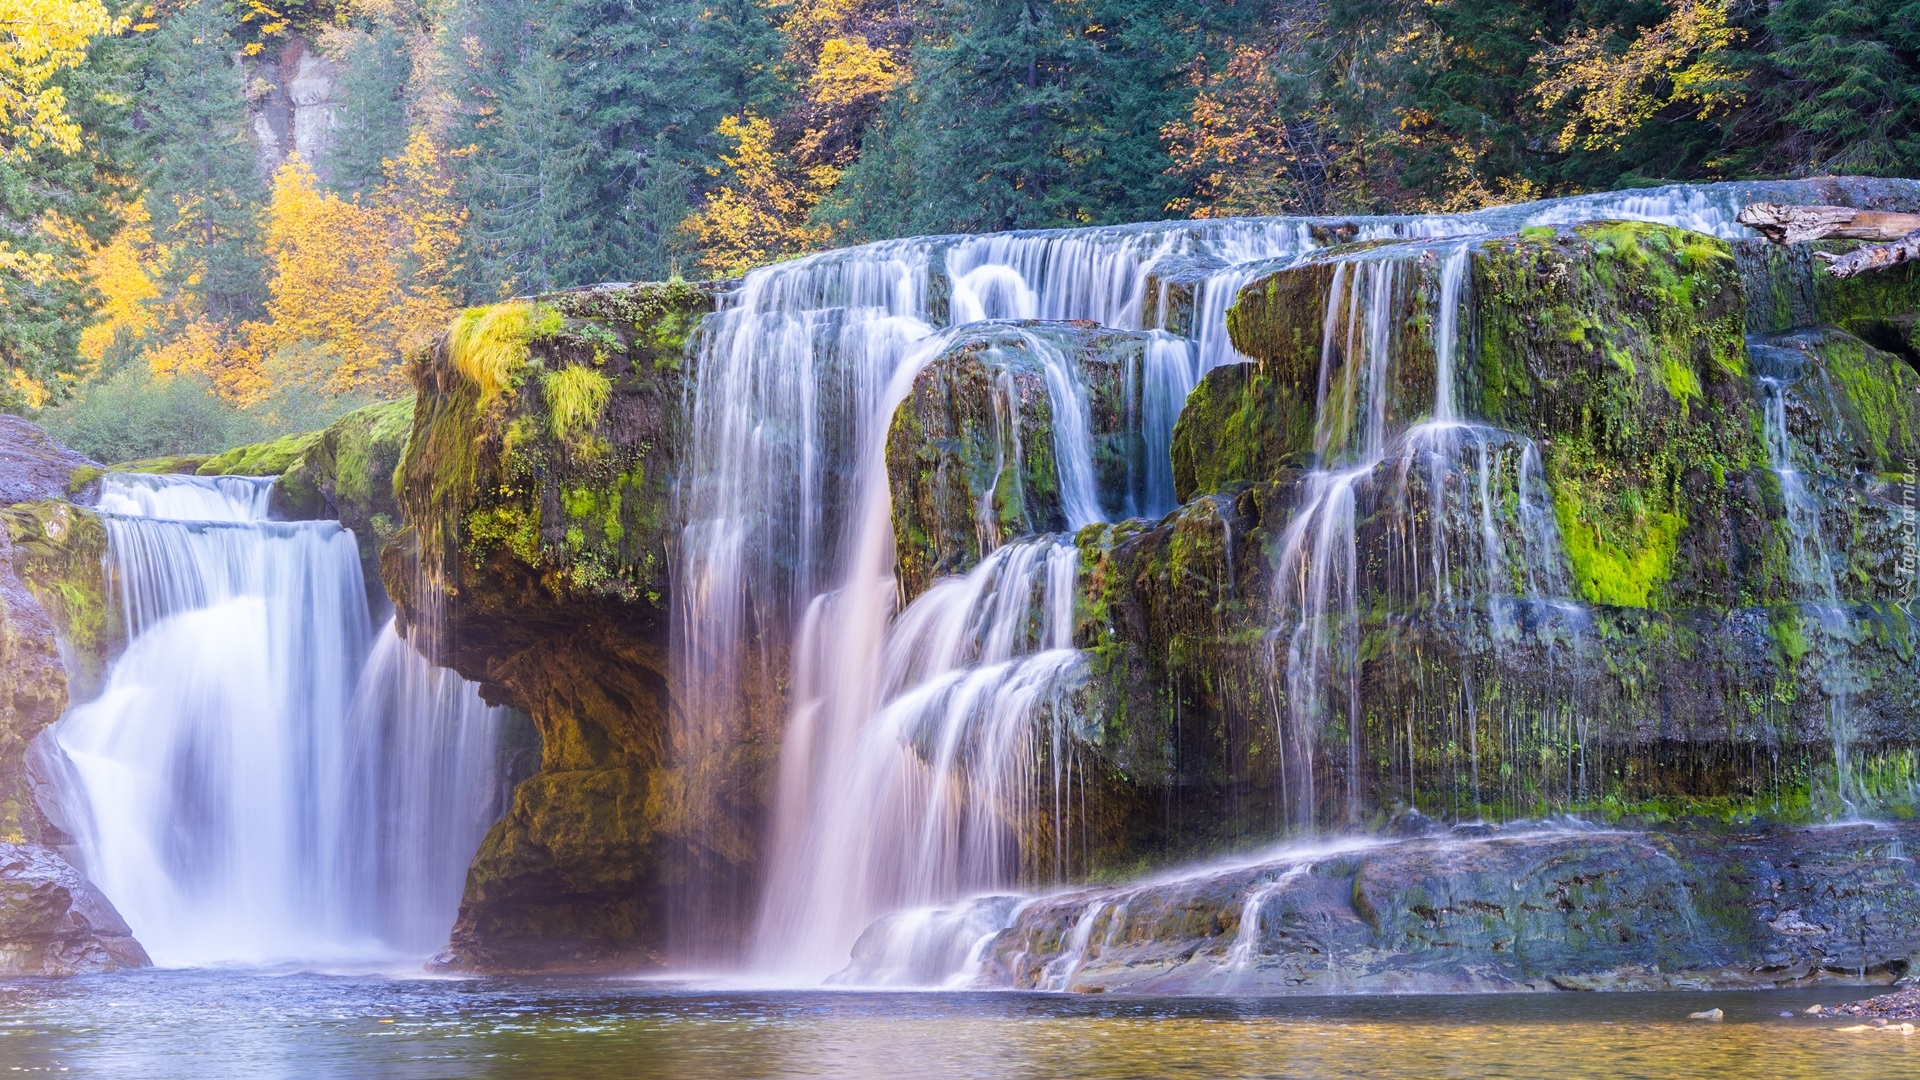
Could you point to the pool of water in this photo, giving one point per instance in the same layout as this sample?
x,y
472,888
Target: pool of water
x,y
218,1024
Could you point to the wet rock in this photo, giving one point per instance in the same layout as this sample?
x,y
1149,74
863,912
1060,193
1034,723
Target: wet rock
x,y
534,560
1709,1014
53,922
971,450
1529,910
33,466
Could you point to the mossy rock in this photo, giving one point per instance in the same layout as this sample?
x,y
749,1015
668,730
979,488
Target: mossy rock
x,y
58,550
1619,347
533,557
346,474
1238,426
270,458
177,465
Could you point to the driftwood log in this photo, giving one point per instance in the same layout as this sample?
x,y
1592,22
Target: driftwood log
x,y
1896,236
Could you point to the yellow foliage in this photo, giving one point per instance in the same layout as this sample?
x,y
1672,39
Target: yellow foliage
x,y
760,214
213,348
849,70
120,271
1233,145
38,40
575,397
365,282
488,345
333,279
1678,61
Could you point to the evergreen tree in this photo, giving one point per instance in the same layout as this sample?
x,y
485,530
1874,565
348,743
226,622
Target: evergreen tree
x,y
205,191
371,126
533,222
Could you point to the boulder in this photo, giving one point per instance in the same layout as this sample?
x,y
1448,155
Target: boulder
x,y
53,922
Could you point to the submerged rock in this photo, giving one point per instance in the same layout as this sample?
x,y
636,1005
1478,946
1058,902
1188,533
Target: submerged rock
x,y
53,922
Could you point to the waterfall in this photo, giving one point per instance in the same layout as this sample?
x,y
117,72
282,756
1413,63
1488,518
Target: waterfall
x,y
784,571
249,787
1813,576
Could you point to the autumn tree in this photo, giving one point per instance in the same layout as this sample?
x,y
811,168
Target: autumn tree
x,y
58,182
361,280
760,214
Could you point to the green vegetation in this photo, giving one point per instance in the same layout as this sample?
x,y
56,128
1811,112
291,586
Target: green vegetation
x,y
488,345
261,459
575,398
1624,567
134,416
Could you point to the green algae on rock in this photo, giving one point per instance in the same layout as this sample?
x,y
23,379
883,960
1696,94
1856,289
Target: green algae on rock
x,y
533,560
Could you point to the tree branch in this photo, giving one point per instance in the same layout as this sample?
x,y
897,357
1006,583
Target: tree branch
x,y
1897,235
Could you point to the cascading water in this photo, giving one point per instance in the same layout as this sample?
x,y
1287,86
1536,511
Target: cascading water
x,y
248,787
787,552
1813,576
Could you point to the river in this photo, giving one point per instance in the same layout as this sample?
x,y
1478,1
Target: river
x,y
203,1023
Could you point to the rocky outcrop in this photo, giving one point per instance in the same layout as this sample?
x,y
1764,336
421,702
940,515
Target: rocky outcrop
x,y
33,466
54,922
33,693
537,488
49,583
1684,666
971,456
1526,908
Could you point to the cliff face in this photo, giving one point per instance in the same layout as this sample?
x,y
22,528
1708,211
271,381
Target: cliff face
x,y
537,492
1681,657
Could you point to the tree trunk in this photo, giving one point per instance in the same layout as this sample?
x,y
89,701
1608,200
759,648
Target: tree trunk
x,y
1897,235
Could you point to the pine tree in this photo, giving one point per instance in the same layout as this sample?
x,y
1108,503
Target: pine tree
x,y
205,191
533,222
371,127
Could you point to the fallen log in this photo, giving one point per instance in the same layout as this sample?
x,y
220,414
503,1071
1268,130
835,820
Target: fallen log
x,y
1897,235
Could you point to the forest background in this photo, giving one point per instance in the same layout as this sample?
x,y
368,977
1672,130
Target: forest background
x,y
225,219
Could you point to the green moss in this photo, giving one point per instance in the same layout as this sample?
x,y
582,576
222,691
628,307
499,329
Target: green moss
x,y
1880,394
181,463
262,459
1623,564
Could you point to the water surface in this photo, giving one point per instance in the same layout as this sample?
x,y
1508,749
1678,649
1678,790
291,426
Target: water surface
x,y
201,1024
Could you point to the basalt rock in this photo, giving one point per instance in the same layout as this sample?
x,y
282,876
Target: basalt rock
x,y
537,491
1522,909
54,922
971,451
1672,665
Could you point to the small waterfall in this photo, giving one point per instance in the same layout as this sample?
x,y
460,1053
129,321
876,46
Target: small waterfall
x,y
927,806
1813,576
247,787
1480,482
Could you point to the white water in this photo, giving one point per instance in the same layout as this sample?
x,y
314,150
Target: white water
x,y
786,559
249,787
1814,577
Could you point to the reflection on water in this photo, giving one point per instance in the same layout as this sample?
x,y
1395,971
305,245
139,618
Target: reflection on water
x,y
200,1024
